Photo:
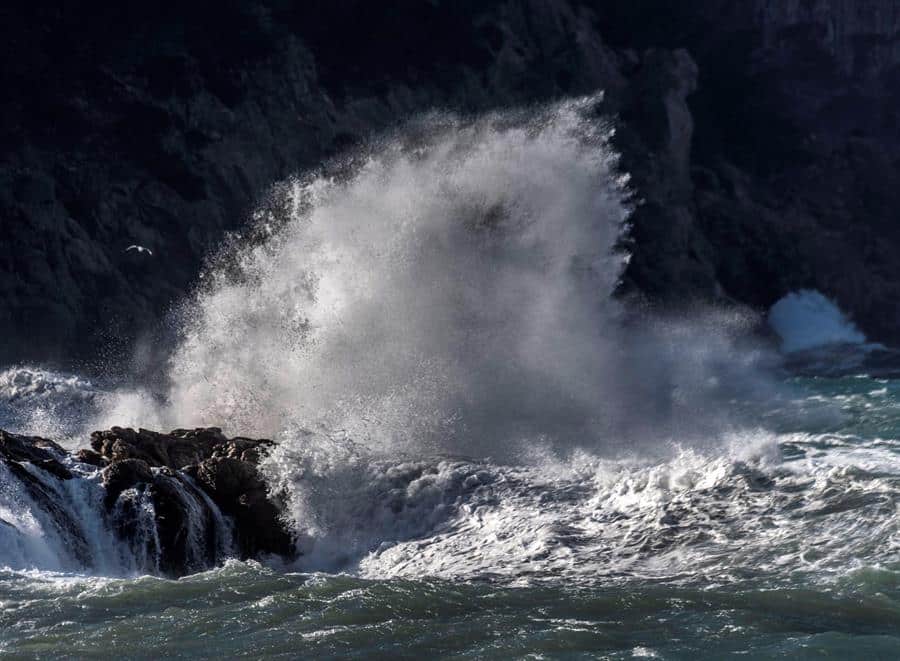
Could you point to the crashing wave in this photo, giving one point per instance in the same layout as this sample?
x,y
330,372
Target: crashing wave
x,y
430,333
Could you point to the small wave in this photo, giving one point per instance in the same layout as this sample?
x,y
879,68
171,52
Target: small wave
x,y
806,319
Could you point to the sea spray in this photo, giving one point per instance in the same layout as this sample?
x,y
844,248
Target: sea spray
x,y
806,319
436,313
42,401
493,419
454,288
449,289
471,425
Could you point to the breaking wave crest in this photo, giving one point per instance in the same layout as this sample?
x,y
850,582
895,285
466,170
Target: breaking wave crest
x,y
430,331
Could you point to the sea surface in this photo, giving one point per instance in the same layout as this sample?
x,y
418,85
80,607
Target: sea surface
x,y
782,546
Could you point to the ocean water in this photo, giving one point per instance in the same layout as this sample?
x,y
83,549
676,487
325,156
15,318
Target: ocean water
x,y
784,544
483,454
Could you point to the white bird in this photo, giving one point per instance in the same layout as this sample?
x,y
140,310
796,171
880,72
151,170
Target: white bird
x,y
140,249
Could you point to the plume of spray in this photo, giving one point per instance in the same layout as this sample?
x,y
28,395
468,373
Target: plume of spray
x,y
455,286
449,290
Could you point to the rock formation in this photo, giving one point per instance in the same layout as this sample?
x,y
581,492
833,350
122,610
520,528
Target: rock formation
x,y
184,501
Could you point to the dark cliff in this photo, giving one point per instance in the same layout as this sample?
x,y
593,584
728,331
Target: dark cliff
x,y
761,137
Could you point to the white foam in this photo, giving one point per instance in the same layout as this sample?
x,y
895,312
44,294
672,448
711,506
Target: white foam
x,y
806,319
694,516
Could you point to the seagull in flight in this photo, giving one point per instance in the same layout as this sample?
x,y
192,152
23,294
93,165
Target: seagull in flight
x,y
140,249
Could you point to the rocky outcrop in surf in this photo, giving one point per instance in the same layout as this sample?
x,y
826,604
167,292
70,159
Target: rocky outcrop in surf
x,y
176,503
39,452
224,469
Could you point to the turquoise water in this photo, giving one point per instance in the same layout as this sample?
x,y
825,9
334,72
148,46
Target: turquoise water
x,y
245,610
780,543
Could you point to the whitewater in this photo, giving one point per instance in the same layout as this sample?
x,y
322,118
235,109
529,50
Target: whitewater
x,y
482,451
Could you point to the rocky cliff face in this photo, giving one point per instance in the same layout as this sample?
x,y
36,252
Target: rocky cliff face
x,y
819,206
861,36
761,138
794,177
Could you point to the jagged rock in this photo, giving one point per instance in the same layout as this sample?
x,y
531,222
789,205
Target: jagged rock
x,y
38,451
15,452
175,450
246,449
239,489
186,544
192,478
225,469
125,474
91,458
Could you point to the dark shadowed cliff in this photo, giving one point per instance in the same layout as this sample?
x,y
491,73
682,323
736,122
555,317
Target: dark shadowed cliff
x,y
762,138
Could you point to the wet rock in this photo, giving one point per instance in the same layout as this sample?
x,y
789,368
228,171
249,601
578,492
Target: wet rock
x,y
125,474
176,450
43,486
40,452
168,496
225,469
238,488
91,458
246,449
186,527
